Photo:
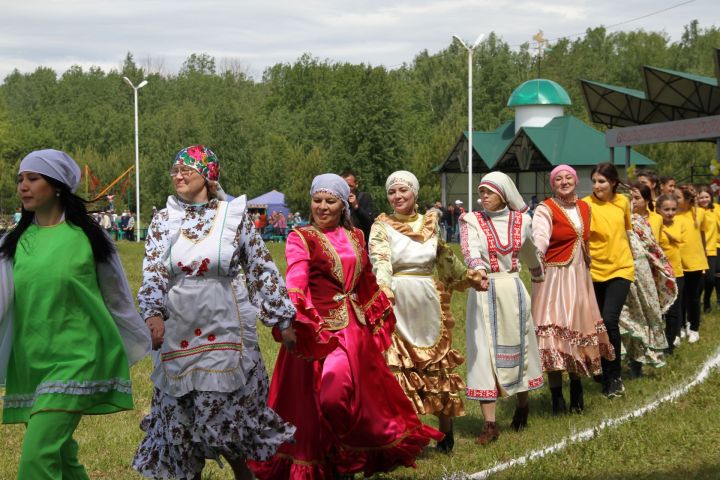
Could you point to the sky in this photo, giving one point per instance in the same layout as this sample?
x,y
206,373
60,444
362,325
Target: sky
x,y
253,35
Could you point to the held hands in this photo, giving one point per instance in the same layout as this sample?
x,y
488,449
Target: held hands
x,y
478,280
157,330
289,339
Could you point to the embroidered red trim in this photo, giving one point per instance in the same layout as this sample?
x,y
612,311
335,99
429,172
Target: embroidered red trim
x,y
473,393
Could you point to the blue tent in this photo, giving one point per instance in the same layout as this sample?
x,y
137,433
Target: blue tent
x,y
273,201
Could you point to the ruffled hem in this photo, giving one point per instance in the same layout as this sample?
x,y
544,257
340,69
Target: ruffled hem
x,y
346,460
553,360
199,380
426,375
401,453
285,466
180,433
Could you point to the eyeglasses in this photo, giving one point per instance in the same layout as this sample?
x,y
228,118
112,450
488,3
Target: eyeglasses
x,y
186,172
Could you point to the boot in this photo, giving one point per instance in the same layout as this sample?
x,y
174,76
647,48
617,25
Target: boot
x,y
446,444
635,369
519,420
490,433
558,402
577,403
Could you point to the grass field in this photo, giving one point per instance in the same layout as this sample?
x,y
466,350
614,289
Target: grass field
x,y
679,441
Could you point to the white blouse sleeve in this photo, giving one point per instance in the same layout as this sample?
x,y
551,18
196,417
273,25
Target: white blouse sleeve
x,y
7,294
542,228
119,301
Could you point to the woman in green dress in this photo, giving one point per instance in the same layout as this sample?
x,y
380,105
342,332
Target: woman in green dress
x,y
68,326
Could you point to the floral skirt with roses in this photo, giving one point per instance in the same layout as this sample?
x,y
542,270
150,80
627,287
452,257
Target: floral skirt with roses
x,y
182,432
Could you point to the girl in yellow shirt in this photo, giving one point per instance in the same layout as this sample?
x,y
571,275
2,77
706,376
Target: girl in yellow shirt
x,y
612,267
671,238
709,228
694,260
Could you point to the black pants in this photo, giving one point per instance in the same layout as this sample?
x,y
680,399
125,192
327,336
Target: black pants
x,y
709,280
611,296
673,321
691,300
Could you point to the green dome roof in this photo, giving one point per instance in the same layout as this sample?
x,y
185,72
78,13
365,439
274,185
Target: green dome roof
x,y
539,91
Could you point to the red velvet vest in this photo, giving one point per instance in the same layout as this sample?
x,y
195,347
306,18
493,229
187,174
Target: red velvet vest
x,y
327,279
565,238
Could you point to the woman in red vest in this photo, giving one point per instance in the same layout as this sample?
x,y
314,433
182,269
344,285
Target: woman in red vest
x,y
570,331
351,414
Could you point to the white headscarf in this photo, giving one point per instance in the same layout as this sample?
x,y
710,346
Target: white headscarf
x,y
334,185
501,184
54,164
403,177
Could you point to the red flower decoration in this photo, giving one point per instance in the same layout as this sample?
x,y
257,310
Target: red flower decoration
x,y
211,338
198,332
184,344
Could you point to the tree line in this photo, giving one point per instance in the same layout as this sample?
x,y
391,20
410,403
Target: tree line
x,y
314,116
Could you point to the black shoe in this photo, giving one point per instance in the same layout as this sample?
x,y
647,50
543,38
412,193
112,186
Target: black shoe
x,y
519,420
577,402
599,379
558,402
635,369
615,388
446,444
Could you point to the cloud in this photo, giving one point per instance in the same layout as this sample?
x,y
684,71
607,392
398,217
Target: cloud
x,y
261,33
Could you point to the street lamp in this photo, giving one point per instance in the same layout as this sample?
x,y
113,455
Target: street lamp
x,y
137,158
470,51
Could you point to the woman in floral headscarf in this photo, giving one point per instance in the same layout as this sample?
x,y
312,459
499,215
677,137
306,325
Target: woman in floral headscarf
x,y
210,382
351,414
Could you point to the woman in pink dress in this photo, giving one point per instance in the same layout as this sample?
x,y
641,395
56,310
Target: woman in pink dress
x,y
570,331
350,412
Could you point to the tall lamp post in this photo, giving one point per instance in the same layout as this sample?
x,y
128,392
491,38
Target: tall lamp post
x,y
137,158
470,51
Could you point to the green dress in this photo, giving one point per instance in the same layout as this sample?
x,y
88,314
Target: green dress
x,y
67,352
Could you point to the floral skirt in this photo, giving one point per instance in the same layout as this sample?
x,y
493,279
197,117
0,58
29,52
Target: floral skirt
x,y
181,432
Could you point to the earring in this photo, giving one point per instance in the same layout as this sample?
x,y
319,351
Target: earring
x,y
57,194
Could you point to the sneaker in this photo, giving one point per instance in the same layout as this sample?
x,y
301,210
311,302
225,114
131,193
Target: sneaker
x,y
676,342
683,333
693,336
615,388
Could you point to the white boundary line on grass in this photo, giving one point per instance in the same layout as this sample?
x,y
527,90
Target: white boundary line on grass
x,y
710,364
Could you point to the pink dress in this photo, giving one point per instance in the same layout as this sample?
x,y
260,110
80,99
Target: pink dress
x,y
351,414
570,332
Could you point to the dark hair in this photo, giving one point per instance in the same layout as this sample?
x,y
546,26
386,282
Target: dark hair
x,y
348,173
608,171
665,179
708,190
645,193
653,178
75,214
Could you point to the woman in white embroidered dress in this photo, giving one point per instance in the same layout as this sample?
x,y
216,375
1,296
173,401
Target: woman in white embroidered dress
x,y
405,248
210,382
502,351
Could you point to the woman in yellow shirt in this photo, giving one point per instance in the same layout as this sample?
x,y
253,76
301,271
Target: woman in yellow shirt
x,y
694,261
671,238
612,268
709,228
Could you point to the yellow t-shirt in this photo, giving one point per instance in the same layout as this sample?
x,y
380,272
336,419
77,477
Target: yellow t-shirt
x,y
709,227
609,245
716,210
692,251
655,221
671,240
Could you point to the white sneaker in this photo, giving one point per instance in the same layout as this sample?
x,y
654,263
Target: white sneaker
x,y
683,333
693,336
677,341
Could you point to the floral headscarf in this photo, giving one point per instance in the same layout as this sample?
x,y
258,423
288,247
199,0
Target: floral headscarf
x,y
201,159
